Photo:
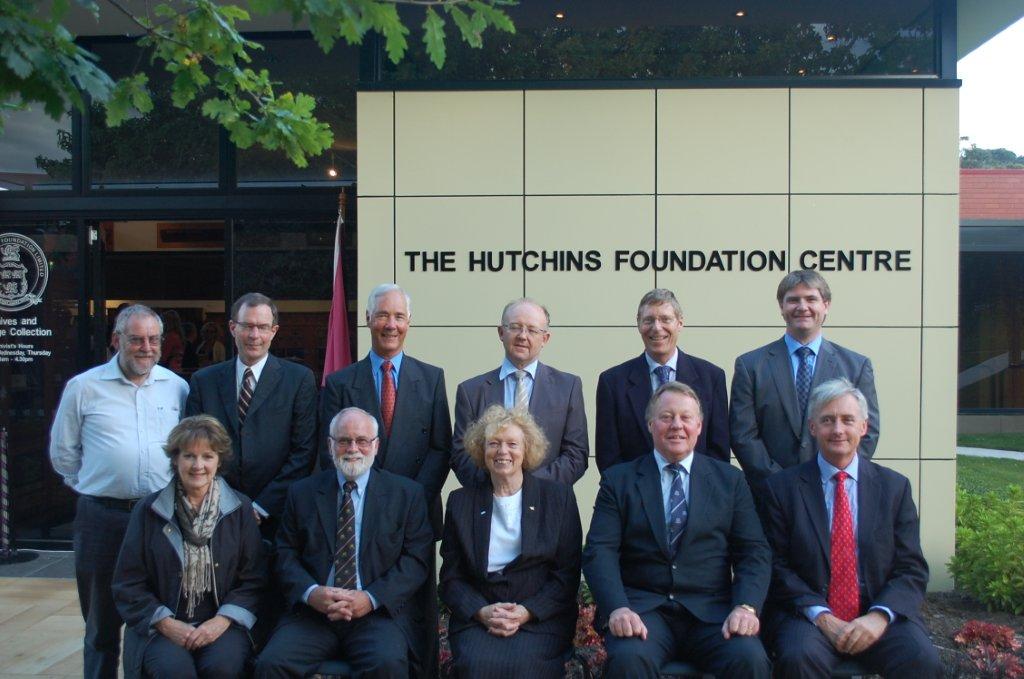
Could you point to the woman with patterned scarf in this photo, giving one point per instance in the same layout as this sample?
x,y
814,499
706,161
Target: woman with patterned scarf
x,y
191,570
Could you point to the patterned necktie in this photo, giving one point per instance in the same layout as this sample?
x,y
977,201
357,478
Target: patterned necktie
x,y
387,396
663,373
345,541
843,590
803,378
245,395
679,508
522,398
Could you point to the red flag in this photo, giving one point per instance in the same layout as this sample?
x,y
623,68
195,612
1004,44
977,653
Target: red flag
x,y
338,354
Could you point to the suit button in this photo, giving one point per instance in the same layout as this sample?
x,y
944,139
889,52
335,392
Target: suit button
x,y
672,596
216,565
673,567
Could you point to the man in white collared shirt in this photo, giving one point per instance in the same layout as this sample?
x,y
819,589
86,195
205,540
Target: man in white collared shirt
x,y
554,398
107,442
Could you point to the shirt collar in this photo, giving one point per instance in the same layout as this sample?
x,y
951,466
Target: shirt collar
x,y
360,480
508,369
652,364
257,367
686,462
376,361
792,345
828,471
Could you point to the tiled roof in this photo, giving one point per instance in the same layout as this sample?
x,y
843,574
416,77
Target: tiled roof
x,y
991,194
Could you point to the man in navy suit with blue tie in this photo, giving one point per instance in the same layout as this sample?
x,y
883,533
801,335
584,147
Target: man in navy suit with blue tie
x,y
624,390
675,556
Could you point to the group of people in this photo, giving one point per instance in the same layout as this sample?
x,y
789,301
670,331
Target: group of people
x,y
812,551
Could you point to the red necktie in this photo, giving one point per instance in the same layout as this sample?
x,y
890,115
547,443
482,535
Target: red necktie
x,y
843,590
387,396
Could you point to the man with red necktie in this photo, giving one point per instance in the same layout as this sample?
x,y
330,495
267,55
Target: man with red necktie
x,y
848,575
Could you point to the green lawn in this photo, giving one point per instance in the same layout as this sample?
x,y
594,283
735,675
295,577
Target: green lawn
x,y
984,474
996,441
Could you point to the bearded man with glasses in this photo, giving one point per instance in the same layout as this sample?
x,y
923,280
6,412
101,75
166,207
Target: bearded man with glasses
x,y
554,398
107,442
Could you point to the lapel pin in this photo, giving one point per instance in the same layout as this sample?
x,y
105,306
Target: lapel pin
x,y
482,512
531,508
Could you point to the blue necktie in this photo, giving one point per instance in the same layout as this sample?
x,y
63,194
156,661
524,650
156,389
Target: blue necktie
x,y
803,378
679,508
663,373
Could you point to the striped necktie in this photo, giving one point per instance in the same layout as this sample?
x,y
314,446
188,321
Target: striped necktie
x,y
679,508
522,398
345,541
245,395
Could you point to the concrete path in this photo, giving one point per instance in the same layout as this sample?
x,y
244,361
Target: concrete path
x,y
988,452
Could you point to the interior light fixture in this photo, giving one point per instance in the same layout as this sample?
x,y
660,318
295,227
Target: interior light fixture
x,y
741,13
332,173
830,38
559,15
801,71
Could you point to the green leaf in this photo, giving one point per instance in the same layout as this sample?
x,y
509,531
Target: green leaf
x,y
433,37
21,66
467,27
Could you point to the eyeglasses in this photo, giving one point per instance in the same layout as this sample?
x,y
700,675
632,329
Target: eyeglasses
x,y
360,441
136,341
262,328
649,321
516,328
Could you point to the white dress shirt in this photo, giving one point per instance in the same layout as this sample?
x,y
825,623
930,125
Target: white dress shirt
x,y
652,365
257,370
507,374
108,434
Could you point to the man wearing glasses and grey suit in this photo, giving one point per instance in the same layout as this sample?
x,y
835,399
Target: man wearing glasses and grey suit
x,y
553,397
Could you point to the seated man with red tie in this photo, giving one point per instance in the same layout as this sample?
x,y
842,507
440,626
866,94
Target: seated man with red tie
x,y
848,575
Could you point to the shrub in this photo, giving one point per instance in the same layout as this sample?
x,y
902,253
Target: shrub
x,y
991,648
989,559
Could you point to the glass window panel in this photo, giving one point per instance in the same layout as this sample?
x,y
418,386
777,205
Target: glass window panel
x,y
991,373
292,260
166,148
299,65
652,39
35,151
38,354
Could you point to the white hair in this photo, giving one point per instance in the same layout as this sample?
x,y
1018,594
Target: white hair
x,y
380,291
826,392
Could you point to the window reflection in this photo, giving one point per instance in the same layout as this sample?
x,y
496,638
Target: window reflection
x,y
35,151
652,39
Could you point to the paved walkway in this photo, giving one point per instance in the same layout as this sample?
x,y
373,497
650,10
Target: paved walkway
x,y
988,452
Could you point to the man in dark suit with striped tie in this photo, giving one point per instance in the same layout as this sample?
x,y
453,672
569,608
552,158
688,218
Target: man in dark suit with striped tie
x,y
675,556
353,549
268,407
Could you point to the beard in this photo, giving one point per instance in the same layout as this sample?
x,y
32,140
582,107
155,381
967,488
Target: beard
x,y
353,469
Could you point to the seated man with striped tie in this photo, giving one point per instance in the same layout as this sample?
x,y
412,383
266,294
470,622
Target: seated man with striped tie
x,y
675,556
848,573
352,550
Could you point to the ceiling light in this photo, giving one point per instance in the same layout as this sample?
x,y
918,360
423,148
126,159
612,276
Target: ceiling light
x,y
559,15
741,13
830,38
331,172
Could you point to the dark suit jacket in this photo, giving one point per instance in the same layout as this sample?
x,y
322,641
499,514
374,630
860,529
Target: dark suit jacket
x,y
557,406
544,578
421,431
622,396
277,444
768,432
394,547
722,561
890,565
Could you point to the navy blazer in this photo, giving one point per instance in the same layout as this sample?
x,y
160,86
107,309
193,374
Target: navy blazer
x,y
421,431
768,432
722,561
622,396
276,446
394,547
890,566
556,404
544,578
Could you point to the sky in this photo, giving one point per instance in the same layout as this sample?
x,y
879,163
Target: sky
x,y
992,95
